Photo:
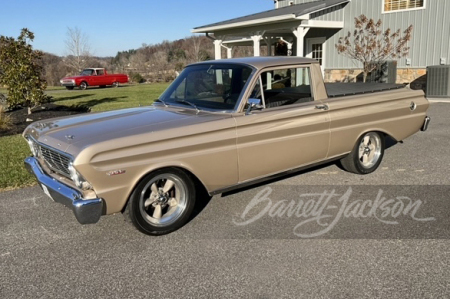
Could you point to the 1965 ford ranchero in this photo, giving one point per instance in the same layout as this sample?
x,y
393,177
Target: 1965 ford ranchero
x,y
219,126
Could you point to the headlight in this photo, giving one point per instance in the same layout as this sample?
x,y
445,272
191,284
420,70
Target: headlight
x,y
79,181
33,148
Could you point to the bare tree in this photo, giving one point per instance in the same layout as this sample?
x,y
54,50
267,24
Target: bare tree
x,y
78,49
371,46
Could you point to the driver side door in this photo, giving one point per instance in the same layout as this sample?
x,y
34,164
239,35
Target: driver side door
x,y
289,132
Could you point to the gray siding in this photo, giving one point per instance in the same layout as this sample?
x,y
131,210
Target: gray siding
x,y
331,14
431,33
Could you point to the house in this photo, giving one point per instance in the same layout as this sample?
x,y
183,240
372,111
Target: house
x,y
311,28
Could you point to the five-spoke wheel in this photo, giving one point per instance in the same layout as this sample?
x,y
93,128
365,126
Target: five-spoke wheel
x,y
162,202
367,154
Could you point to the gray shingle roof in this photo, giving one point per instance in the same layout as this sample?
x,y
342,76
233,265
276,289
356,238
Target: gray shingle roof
x,y
297,10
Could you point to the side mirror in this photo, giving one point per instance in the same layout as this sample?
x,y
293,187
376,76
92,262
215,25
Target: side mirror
x,y
253,104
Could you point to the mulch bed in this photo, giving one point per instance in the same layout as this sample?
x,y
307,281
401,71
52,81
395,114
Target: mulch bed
x,y
44,111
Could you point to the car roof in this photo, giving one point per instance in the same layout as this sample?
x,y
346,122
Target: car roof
x,y
262,61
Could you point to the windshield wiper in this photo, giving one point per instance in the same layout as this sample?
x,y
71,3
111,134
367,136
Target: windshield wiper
x,y
164,103
189,103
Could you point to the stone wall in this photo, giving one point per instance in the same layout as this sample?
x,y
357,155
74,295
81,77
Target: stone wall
x,y
416,77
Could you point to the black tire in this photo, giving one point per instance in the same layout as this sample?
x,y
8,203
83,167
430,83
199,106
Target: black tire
x,y
171,216
83,85
367,154
69,87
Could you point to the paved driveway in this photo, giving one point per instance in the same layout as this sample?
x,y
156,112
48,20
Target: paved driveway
x,y
247,244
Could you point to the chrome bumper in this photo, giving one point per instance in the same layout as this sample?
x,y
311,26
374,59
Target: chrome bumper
x,y
425,124
86,211
68,84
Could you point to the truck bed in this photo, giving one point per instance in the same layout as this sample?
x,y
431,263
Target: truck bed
x,y
335,90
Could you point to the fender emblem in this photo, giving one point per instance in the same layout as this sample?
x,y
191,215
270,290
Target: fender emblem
x,y
115,172
69,137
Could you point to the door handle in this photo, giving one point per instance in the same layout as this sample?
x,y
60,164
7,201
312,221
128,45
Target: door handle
x,y
322,107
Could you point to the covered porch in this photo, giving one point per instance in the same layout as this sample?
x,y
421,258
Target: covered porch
x,y
299,30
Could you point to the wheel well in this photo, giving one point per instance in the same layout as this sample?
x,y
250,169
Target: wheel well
x,y
200,188
382,133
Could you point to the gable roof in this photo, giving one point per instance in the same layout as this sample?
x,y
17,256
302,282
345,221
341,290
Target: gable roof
x,y
280,14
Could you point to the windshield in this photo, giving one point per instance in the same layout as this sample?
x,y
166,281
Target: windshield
x,y
208,86
86,72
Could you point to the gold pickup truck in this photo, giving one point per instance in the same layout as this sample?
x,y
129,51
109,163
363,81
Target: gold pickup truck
x,y
221,125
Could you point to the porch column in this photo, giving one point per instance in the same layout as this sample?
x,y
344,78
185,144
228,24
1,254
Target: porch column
x,y
269,45
229,51
256,44
300,33
218,49
301,76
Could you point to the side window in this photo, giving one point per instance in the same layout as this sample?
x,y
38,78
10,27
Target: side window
x,y
100,73
286,87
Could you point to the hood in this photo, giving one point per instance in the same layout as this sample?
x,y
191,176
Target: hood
x,y
77,132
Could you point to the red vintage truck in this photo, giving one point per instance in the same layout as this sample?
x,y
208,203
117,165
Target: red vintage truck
x,y
93,77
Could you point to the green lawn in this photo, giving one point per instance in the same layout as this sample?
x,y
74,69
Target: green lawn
x,y
14,149
102,99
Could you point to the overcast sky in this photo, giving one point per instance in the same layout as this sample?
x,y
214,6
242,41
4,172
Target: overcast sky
x,y
117,25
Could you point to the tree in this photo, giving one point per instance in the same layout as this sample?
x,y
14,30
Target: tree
x,y
78,50
371,46
20,71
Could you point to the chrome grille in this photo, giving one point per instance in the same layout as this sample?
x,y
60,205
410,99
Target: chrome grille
x,y
54,159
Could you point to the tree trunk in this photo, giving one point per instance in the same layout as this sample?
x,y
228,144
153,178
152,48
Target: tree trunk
x,y
365,74
365,71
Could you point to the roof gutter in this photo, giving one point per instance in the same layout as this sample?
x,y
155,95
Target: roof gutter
x,y
244,23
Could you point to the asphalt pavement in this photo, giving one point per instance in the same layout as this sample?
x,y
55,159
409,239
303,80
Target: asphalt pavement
x,y
261,242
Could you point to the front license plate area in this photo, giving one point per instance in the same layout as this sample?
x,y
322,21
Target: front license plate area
x,y
46,191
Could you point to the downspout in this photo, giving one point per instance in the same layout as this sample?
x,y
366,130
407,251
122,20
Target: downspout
x,y
210,37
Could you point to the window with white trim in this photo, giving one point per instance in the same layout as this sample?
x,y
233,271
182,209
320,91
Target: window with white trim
x,y
395,5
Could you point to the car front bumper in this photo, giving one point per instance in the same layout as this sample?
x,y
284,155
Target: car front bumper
x,y
68,84
86,211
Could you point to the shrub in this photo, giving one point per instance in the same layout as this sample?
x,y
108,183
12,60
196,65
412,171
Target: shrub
x,y
21,71
137,78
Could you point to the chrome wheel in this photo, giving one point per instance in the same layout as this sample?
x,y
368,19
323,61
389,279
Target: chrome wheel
x,y
163,199
83,85
366,155
115,84
370,150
